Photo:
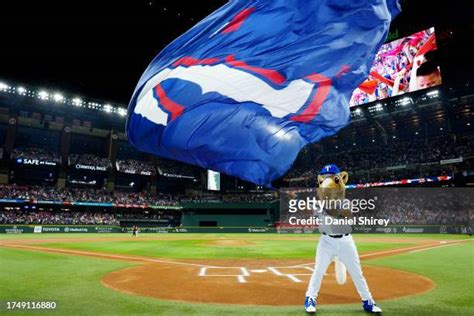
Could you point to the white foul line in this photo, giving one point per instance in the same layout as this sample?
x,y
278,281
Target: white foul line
x,y
109,255
439,246
394,250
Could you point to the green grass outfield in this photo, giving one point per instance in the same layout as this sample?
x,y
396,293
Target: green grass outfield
x,y
74,281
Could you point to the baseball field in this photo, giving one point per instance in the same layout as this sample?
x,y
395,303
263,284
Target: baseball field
x,y
232,274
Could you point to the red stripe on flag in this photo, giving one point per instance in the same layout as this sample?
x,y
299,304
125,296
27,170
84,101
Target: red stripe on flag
x,y
174,108
238,20
209,61
344,69
319,97
185,61
270,74
190,61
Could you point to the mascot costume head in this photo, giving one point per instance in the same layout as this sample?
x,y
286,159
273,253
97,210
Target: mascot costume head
x,y
332,183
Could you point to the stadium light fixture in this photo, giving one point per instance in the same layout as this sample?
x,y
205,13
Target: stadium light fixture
x,y
77,101
43,95
58,97
93,105
468,124
358,111
21,90
433,93
61,98
122,111
406,101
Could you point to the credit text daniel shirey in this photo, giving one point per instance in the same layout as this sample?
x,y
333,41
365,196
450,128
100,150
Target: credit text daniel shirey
x,y
318,205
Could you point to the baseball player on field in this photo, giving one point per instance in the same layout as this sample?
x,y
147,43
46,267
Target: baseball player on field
x,y
336,243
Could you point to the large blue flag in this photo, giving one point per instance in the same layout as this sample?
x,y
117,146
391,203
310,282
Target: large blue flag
x,y
246,88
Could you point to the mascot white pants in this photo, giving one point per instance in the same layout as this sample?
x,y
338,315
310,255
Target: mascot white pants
x,y
344,252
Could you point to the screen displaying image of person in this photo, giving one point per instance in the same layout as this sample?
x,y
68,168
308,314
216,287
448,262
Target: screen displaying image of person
x,y
428,75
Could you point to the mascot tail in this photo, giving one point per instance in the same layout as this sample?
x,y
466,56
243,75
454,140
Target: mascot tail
x,y
341,271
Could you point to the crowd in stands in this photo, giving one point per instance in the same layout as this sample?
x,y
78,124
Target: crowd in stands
x,y
18,217
42,217
135,167
35,153
405,213
45,193
156,215
394,153
166,168
401,205
140,198
89,160
425,206
169,168
254,197
231,198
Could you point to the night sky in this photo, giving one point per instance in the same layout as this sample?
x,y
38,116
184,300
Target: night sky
x,y
100,48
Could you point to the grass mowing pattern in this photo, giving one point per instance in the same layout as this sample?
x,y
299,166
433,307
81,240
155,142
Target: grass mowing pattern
x,y
74,282
197,248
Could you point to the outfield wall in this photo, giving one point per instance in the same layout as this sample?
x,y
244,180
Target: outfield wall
x,y
241,220
393,229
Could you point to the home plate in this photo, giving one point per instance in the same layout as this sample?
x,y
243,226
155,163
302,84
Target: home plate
x,y
259,271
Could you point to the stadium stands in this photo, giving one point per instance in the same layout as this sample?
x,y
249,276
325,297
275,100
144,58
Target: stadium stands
x,y
42,217
89,160
35,153
63,218
135,167
48,194
75,154
390,161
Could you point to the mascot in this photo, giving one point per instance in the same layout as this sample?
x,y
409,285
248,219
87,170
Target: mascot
x,y
336,243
